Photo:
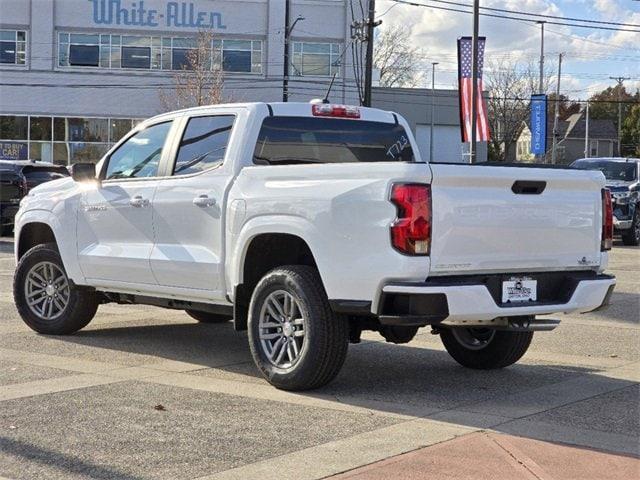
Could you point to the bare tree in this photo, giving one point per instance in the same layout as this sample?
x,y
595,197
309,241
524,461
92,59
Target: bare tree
x,y
509,85
200,80
395,58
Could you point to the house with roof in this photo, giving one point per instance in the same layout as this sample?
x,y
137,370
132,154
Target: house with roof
x,y
603,139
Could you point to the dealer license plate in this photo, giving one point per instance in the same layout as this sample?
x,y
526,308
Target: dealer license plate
x,y
519,290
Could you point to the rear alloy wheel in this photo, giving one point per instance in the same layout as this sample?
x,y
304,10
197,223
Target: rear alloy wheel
x,y
46,299
206,317
296,340
484,348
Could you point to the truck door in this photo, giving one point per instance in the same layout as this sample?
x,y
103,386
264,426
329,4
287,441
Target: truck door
x,y
115,229
189,211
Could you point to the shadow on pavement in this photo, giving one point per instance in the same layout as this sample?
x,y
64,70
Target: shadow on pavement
x,y
60,461
395,378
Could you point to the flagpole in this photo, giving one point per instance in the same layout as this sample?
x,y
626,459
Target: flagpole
x,y
474,81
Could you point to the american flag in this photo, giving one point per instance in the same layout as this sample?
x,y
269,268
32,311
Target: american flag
x,y
465,90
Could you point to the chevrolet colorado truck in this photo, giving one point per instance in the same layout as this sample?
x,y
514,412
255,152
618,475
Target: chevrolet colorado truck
x,y
307,224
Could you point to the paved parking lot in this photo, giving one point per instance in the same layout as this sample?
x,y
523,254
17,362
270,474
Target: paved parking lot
x,y
148,393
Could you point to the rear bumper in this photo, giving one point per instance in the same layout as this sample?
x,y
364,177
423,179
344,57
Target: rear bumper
x,y
473,304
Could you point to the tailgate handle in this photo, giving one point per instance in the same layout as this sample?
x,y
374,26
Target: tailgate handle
x,y
528,187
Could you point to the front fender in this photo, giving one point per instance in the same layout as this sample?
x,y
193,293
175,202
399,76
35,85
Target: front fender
x,y
62,222
285,224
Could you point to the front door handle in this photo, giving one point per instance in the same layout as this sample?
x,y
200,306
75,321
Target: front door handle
x,y
204,201
139,201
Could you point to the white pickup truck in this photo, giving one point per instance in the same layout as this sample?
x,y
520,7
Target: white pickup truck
x,y
307,224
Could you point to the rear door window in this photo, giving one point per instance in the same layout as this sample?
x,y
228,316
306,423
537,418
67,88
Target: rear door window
x,y
203,144
301,140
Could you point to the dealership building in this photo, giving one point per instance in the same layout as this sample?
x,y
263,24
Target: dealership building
x,y
75,75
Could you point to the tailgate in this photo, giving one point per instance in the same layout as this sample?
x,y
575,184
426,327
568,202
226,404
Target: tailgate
x,y
481,225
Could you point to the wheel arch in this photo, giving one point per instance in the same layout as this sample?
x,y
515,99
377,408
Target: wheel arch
x,y
261,248
36,227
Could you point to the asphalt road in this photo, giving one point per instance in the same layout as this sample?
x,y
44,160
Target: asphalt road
x,y
145,393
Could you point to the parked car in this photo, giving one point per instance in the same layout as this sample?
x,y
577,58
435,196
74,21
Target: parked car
x,y
623,180
16,179
308,224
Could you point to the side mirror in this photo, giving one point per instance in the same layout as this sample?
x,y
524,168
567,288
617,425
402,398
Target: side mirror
x,y
82,172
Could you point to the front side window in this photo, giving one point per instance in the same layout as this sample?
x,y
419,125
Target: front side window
x,y
315,59
203,144
13,47
140,155
303,140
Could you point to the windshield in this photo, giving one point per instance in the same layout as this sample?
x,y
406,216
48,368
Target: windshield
x,y
620,171
296,140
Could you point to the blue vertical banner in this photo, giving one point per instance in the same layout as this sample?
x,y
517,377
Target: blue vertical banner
x,y
538,124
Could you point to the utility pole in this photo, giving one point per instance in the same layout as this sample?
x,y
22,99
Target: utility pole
x,y
474,82
586,132
287,33
433,90
368,72
557,113
541,79
285,73
620,81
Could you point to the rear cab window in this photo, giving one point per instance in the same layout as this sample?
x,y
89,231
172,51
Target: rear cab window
x,y
285,140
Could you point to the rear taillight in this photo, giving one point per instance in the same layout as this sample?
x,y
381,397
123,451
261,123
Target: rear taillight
x,y
340,111
607,221
411,231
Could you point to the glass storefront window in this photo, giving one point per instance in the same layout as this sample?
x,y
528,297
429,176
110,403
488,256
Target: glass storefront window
x,y
60,140
14,127
40,128
41,151
86,152
119,128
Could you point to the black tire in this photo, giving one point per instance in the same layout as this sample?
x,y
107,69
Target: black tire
x,y
501,350
326,334
631,236
207,317
78,312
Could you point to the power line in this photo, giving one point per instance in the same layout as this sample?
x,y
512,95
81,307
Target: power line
x,y
507,17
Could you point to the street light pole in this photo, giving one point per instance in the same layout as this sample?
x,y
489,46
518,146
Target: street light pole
x,y
474,82
556,114
586,132
433,89
541,79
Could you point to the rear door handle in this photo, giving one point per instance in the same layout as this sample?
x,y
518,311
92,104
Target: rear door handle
x,y
139,201
204,201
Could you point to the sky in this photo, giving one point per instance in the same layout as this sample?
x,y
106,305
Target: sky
x,y
590,56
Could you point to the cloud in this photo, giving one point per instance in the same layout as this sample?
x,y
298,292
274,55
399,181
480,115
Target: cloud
x,y
589,54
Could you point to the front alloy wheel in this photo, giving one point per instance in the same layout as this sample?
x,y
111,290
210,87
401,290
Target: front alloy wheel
x,y
47,290
46,299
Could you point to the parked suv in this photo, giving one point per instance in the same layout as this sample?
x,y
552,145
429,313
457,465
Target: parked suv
x,y
623,180
308,224
16,179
